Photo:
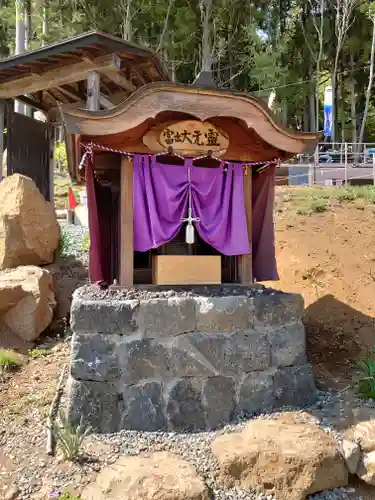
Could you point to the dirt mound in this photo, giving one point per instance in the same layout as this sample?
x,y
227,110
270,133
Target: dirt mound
x,y
325,243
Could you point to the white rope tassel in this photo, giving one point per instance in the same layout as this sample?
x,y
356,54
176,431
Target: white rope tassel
x,y
189,232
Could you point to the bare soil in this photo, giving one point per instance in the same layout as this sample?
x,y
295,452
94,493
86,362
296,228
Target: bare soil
x,y
329,257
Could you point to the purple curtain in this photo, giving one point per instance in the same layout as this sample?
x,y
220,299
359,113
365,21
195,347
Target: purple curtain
x,y
161,200
263,234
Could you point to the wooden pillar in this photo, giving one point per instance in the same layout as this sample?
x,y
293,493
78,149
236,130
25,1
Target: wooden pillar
x,y
246,261
2,125
126,223
51,163
93,91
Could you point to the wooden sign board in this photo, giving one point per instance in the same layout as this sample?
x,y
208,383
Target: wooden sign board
x,y
188,138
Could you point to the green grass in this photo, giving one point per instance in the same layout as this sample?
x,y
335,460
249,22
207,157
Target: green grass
x,y
307,201
9,360
366,367
38,353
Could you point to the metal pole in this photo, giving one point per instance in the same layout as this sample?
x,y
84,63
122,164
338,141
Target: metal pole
x,y
346,164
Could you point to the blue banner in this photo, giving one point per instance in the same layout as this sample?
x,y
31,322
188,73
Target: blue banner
x,y
328,120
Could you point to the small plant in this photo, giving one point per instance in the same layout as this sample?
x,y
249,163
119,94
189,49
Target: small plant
x,y
64,244
70,437
366,365
64,495
85,243
9,360
38,353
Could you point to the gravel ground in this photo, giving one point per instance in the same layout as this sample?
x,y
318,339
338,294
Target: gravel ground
x,y
196,448
23,438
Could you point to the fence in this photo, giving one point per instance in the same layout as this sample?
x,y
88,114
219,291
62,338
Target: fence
x,y
332,165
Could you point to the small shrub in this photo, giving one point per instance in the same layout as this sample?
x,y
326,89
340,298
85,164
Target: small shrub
x,y
70,437
60,156
63,244
85,243
38,353
366,367
9,360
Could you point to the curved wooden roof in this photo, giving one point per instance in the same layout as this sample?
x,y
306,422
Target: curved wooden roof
x,y
201,103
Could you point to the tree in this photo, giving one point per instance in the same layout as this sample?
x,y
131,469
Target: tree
x,y
370,82
343,20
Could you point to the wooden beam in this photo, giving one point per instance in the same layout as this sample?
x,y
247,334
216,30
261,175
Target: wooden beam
x,y
126,223
246,261
93,91
119,79
57,77
71,93
2,125
105,102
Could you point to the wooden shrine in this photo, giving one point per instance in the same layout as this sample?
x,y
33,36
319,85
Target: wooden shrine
x,y
172,123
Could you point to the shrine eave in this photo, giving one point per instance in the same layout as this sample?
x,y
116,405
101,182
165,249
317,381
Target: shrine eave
x,y
200,103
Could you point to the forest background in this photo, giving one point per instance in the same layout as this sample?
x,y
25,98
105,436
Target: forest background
x,y
284,52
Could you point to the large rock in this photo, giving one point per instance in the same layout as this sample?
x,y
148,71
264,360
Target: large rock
x,y
284,457
149,477
27,301
29,231
363,433
67,275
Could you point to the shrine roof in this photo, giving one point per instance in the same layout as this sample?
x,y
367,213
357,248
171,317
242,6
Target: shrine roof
x,y
153,101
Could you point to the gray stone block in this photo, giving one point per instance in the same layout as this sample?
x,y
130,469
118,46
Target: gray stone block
x,y
278,308
165,317
142,408
256,393
288,345
96,403
184,408
294,386
230,354
150,359
100,316
93,357
224,314
218,400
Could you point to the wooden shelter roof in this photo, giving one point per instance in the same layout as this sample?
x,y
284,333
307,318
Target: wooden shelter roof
x,y
254,134
58,72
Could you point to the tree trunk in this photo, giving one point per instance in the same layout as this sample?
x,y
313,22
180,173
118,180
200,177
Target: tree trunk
x,y
45,27
20,40
369,87
334,98
353,107
127,32
206,10
165,27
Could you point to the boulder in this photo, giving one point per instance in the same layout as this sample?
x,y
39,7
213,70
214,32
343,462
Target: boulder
x,y
68,274
363,433
284,457
29,231
148,477
366,468
352,455
28,302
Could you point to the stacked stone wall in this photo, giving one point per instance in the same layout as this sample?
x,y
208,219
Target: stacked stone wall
x,y
186,362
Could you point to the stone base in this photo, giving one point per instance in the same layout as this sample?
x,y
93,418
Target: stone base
x,y
180,361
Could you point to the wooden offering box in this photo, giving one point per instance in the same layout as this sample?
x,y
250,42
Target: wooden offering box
x,y
186,270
